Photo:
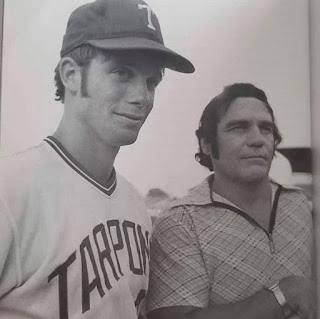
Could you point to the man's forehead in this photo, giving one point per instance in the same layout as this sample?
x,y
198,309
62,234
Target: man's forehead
x,y
247,108
136,58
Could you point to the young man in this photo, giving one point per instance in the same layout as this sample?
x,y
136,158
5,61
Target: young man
x,y
74,235
239,245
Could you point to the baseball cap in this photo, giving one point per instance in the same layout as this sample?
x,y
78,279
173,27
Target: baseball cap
x,y
120,25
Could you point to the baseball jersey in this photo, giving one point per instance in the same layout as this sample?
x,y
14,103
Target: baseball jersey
x,y
69,247
205,251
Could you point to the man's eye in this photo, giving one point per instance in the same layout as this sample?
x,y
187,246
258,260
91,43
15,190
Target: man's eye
x,y
266,130
124,74
152,83
239,129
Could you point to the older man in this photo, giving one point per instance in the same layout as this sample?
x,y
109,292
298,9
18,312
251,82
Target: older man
x,y
239,245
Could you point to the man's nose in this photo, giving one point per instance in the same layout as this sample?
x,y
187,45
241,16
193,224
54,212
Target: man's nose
x,y
255,137
139,93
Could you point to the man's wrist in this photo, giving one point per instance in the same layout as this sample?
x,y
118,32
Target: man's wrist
x,y
280,298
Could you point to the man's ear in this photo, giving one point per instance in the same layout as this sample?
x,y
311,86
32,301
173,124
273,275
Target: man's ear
x,y
70,74
205,147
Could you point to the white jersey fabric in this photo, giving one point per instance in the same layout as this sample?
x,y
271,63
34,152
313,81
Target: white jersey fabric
x,y
69,247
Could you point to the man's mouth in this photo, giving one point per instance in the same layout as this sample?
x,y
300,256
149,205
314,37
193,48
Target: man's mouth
x,y
256,156
132,117
261,157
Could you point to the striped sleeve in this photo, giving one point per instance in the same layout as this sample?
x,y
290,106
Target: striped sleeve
x,y
178,276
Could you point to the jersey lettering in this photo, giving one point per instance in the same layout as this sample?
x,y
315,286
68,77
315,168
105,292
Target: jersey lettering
x,y
87,287
62,272
117,245
145,251
104,254
141,295
129,228
110,252
149,15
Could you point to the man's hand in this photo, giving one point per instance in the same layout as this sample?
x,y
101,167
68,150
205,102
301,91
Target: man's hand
x,y
298,291
300,295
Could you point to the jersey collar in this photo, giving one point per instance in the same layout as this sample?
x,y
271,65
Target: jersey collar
x,y
62,152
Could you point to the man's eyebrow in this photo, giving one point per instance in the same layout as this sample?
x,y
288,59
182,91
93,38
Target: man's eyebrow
x,y
124,62
237,122
266,122
246,122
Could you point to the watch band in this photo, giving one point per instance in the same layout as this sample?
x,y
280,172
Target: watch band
x,y
281,299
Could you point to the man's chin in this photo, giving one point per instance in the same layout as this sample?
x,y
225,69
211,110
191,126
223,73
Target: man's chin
x,y
256,174
128,140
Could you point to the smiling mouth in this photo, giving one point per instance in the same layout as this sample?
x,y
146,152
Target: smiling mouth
x,y
131,117
262,157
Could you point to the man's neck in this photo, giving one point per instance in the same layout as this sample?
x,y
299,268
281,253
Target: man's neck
x,y
94,157
245,195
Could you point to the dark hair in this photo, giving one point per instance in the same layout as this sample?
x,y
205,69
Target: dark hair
x,y
217,108
82,55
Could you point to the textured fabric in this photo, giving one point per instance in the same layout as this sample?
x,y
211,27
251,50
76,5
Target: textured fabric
x,y
69,248
205,251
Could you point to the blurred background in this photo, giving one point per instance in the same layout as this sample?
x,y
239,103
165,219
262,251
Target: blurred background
x,y
273,44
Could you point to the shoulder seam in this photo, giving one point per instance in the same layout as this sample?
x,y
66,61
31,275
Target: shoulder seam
x,y
171,214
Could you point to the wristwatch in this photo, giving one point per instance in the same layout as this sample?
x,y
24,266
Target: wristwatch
x,y
281,299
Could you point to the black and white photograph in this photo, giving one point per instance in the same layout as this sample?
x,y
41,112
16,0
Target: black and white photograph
x,y
159,159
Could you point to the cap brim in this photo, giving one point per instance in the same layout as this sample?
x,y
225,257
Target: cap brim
x,y
171,59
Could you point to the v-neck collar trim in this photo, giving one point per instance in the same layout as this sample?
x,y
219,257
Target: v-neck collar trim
x,y
62,152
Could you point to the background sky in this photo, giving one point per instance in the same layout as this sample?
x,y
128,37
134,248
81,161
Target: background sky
x,y
264,42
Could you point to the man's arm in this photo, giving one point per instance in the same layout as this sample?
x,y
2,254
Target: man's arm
x,y
262,305
298,291
178,274
180,285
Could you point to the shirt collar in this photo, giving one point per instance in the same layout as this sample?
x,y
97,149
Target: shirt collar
x,y
200,194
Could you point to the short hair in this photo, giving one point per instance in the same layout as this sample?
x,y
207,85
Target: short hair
x,y
82,55
217,108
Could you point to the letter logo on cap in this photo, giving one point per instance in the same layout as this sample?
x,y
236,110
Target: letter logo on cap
x,y
149,12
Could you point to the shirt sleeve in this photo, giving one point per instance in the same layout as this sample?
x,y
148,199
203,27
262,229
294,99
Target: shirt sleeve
x,y
309,234
8,251
178,275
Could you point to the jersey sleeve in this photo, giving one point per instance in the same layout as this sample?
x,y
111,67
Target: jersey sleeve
x,y
8,252
178,276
